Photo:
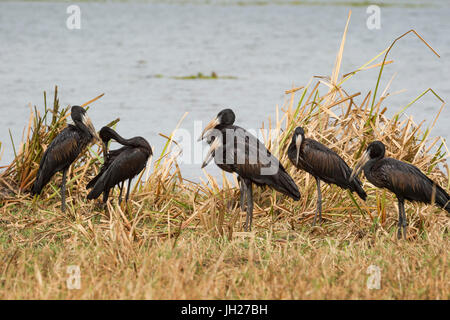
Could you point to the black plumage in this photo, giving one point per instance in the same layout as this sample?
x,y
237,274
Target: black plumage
x,y
106,134
235,150
405,180
323,164
64,150
120,165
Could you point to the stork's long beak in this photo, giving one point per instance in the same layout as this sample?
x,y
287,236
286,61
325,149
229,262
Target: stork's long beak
x,y
298,143
214,122
88,123
210,154
360,165
104,149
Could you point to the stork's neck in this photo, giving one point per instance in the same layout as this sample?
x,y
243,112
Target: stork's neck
x,y
292,146
80,125
369,165
136,142
119,138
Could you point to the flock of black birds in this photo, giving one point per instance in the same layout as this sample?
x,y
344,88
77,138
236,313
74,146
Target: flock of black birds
x,y
235,150
118,166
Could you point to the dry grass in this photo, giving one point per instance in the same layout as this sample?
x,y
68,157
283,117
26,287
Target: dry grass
x,y
184,240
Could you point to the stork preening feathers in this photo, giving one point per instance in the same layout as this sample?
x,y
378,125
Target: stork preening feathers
x,y
120,164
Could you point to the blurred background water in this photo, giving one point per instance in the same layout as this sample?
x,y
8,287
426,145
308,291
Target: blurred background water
x,y
133,50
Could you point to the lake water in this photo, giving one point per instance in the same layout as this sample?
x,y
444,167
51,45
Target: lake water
x,y
132,50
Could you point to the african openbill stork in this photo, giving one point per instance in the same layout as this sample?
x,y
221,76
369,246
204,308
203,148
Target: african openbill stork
x,y
323,164
403,179
236,150
106,134
64,150
120,165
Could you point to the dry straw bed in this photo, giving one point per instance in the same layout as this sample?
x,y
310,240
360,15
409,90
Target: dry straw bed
x,y
183,240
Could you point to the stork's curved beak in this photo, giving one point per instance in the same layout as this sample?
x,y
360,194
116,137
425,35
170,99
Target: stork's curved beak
x,y
298,143
104,149
214,122
360,165
88,123
211,152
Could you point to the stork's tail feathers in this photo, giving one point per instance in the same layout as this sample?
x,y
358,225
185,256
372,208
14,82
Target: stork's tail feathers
x,y
38,184
93,181
97,190
286,185
36,188
447,206
444,205
94,194
359,190
442,198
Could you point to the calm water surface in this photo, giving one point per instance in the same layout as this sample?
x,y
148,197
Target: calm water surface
x,y
132,50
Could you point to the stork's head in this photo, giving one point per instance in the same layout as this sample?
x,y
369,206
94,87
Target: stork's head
x,y
374,151
82,121
298,138
224,117
106,134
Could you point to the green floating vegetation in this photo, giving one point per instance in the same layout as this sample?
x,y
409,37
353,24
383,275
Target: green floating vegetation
x,y
198,76
202,76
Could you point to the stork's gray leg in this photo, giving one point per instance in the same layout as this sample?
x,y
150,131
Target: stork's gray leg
x,y
405,221
249,218
400,218
243,188
63,191
120,193
319,203
128,190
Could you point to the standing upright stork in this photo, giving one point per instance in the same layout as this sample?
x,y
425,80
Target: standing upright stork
x,y
236,150
403,179
120,165
323,164
63,151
